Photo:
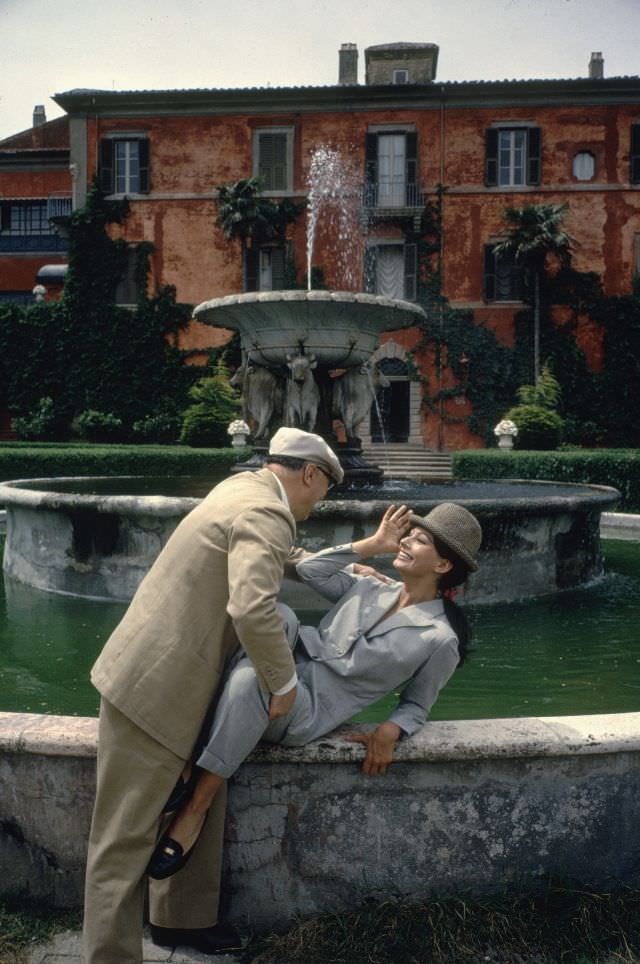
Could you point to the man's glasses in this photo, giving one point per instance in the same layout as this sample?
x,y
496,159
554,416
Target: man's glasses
x,y
326,475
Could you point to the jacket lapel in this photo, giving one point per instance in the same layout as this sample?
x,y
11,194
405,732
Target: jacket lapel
x,y
421,614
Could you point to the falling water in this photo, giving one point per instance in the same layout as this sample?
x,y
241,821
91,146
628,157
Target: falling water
x,y
335,193
376,405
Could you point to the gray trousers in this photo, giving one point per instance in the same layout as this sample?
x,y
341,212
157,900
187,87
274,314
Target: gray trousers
x,y
242,713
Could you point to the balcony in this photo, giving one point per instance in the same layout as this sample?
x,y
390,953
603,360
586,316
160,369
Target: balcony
x,y
32,242
32,225
393,198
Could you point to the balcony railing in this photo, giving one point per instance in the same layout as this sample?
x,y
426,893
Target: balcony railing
x,y
393,194
58,205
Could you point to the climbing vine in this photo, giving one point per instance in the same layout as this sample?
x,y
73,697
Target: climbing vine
x,y
85,352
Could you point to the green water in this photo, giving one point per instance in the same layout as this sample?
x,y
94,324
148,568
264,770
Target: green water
x,y
576,652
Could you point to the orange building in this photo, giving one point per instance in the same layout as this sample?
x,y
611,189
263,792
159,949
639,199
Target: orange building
x,y
476,147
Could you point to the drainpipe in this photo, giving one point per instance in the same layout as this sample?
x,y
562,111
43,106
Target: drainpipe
x,y
441,272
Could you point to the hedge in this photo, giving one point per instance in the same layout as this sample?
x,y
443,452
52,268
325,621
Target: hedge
x,y
32,460
619,468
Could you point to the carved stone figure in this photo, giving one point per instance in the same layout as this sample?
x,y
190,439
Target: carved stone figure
x,y
353,395
302,393
262,396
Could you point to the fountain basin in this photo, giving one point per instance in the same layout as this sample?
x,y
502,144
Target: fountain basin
x,y
341,328
539,537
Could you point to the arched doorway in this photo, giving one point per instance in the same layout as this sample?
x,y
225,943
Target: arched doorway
x,y
390,416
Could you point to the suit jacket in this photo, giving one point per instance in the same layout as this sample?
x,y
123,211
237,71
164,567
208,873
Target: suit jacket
x,y
356,656
213,586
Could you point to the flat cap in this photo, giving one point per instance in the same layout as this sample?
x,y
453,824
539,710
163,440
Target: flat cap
x,y
296,444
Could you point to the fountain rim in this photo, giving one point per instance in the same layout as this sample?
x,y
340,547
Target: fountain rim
x,y
586,495
315,295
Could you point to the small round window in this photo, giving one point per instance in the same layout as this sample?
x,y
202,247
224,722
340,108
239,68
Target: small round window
x,y
584,166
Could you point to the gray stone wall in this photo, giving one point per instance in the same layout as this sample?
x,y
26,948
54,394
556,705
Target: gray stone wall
x,y
473,806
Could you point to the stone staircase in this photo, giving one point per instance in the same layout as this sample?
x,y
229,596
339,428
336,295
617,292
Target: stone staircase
x,y
409,461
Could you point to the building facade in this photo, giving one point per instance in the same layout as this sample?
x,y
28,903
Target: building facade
x,y
468,149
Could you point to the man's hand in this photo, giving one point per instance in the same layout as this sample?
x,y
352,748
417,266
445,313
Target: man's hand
x,y
380,745
281,705
361,570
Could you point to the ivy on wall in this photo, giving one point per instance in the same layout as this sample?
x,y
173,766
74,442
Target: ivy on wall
x,y
85,351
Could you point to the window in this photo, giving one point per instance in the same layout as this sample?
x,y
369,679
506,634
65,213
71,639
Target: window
x,y
584,166
264,269
273,159
391,169
503,279
24,226
127,292
391,270
400,76
512,156
124,165
634,154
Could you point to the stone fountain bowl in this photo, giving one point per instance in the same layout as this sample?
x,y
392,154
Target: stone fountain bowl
x,y
538,537
341,328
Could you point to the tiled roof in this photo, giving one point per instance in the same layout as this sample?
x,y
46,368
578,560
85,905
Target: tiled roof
x,y
52,135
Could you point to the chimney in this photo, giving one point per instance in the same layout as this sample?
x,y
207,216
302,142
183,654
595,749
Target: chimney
x,y
39,116
348,64
596,66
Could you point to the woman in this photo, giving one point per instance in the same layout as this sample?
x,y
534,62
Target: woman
x,y
377,636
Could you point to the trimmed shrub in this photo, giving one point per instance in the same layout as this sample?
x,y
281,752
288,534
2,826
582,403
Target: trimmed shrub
x,y
97,426
163,428
619,468
538,428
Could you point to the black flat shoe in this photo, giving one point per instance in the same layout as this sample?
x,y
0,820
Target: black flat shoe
x,y
169,857
182,791
210,940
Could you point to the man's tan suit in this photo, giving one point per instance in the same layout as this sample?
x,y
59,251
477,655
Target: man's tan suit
x,y
214,585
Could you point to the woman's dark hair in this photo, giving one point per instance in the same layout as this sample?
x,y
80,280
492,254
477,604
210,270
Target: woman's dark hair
x,y
456,576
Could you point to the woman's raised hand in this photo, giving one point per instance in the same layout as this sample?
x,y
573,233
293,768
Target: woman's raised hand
x,y
394,525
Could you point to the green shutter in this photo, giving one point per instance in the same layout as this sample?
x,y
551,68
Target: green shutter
x,y
533,155
410,271
491,157
272,162
251,267
489,273
370,270
144,153
634,175
277,269
106,165
411,167
371,169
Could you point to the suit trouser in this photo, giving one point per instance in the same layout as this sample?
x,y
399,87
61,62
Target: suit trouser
x,y
135,776
241,716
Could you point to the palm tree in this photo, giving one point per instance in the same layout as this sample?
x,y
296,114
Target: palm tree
x,y
534,232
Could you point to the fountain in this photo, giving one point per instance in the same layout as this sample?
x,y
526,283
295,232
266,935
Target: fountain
x,y
101,544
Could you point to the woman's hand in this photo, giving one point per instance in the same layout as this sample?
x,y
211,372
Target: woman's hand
x,y
394,525
380,745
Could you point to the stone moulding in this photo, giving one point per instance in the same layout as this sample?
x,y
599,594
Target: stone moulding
x,y
474,807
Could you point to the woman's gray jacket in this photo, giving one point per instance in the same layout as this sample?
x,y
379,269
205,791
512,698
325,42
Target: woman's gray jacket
x,y
356,656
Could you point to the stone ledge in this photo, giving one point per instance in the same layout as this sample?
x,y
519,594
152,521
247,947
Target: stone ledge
x,y
524,737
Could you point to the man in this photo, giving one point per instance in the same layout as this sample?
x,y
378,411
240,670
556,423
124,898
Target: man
x,y
212,588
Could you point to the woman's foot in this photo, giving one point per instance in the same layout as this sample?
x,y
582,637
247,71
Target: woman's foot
x,y
183,789
177,844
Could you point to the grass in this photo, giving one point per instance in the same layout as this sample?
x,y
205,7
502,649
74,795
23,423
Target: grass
x,y
563,925
23,924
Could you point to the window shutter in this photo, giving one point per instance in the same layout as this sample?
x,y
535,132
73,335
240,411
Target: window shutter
x,y
491,157
634,175
273,161
411,167
251,267
489,273
5,217
533,155
106,165
144,155
410,271
277,269
371,168
370,270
